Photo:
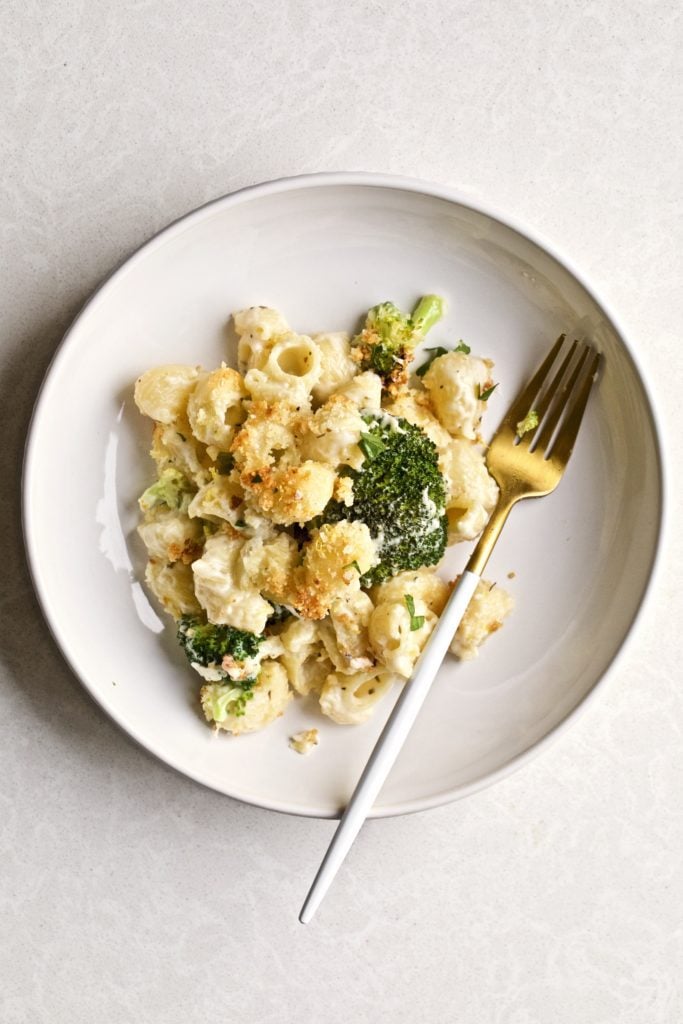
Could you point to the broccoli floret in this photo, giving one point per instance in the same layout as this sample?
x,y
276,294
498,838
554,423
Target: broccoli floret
x,y
389,337
172,489
208,645
221,700
400,494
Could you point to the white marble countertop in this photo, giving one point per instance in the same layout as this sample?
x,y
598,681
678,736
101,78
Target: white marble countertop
x,y
129,894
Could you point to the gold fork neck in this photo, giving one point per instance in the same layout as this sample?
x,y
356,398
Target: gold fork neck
x,y
490,534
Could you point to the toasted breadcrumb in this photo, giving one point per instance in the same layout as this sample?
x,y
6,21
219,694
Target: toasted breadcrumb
x,y
304,742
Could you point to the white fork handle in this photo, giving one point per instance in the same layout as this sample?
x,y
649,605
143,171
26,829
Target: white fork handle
x,y
390,741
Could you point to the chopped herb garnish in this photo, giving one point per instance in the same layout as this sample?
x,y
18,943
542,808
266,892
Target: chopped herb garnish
x,y
416,621
484,396
530,422
241,523
438,351
371,445
224,463
462,347
353,565
181,436
257,479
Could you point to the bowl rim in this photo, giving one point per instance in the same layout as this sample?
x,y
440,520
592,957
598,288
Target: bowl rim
x,y
399,183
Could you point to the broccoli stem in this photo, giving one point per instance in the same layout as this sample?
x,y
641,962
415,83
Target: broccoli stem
x,y
428,311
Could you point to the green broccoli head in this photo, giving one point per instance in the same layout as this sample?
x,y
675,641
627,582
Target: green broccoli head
x,y
389,337
400,494
219,701
225,652
172,489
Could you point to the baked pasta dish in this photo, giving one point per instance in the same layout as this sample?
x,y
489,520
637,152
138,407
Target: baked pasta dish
x,y
303,503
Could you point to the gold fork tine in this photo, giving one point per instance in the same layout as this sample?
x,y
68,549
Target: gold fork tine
x,y
525,470
547,393
564,442
525,399
558,398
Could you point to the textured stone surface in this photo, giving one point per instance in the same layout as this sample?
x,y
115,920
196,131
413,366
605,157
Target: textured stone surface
x,y
129,894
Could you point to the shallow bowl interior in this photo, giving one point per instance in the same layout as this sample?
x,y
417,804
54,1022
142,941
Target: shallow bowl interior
x,y
323,249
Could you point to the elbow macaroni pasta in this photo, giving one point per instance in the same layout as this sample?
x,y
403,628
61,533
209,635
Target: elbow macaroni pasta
x,y
214,407
351,699
260,452
287,372
336,365
163,392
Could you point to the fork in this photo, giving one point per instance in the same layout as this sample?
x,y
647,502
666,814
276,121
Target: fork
x,y
526,462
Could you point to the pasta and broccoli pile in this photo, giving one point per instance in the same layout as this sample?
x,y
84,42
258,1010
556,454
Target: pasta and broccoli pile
x,y
302,504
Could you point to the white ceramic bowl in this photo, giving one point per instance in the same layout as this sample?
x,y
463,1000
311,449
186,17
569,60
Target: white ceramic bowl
x,y
323,249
